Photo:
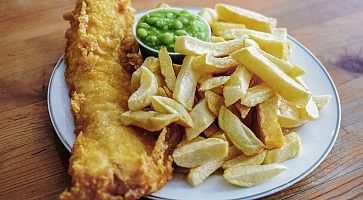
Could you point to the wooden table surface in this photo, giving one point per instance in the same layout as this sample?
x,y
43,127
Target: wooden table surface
x,y
33,161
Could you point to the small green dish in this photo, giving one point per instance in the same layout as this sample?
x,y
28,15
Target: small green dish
x,y
147,51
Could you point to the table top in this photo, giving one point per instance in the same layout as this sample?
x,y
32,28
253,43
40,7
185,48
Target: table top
x,y
33,161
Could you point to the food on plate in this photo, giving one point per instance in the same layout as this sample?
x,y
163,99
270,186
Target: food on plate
x,y
148,88
214,102
208,14
272,75
197,175
224,107
251,175
191,46
250,19
109,160
288,115
245,160
213,82
240,135
186,84
269,130
321,100
219,27
168,105
161,27
290,149
209,64
256,95
237,85
198,153
148,120
166,68
202,118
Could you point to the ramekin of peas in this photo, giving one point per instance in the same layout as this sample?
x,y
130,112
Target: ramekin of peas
x,y
160,27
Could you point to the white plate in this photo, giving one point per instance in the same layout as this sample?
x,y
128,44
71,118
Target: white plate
x,y
317,137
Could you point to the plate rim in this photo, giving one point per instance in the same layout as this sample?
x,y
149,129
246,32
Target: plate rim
x,y
261,194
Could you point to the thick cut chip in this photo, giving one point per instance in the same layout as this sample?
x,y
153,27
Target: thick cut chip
x,y
288,115
202,118
310,112
272,75
213,82
168,105
278,48
209,14
166,68
230,34
214,102
245,160
186,84
216,39
148,88
219,27
237,85
240,135
321,100
256,95
288,68
248,176
290,149
198,153
280,33
249,42
218,90
148,120
197,175
269,130
251,19
242,109
191,46
207,63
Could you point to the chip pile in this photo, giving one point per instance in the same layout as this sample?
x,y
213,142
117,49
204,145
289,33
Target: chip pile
x,y
234,95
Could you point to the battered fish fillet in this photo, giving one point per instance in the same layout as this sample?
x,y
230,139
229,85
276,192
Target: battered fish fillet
x,y
109,160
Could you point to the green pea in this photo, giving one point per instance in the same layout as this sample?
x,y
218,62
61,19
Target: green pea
x,y
177,25
141,32
151,38
166,38
169,15
183,20
151,20
160,23
144,25
180,32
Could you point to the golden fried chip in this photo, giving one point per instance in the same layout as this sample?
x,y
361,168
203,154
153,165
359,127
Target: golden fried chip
x,y
245,160
310,112
206,63
213,82
248,176
237,85
240,135
186,83
219,27
149,120
148,88
269,130
202,118
197,175
209,14
214,102
198,153
191,46
168,105
252,20
278,48
272,75
256,95
166,68
288,115
290,149
216,39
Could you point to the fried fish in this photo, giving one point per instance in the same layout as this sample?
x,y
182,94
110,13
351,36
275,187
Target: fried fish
x,y
109,160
